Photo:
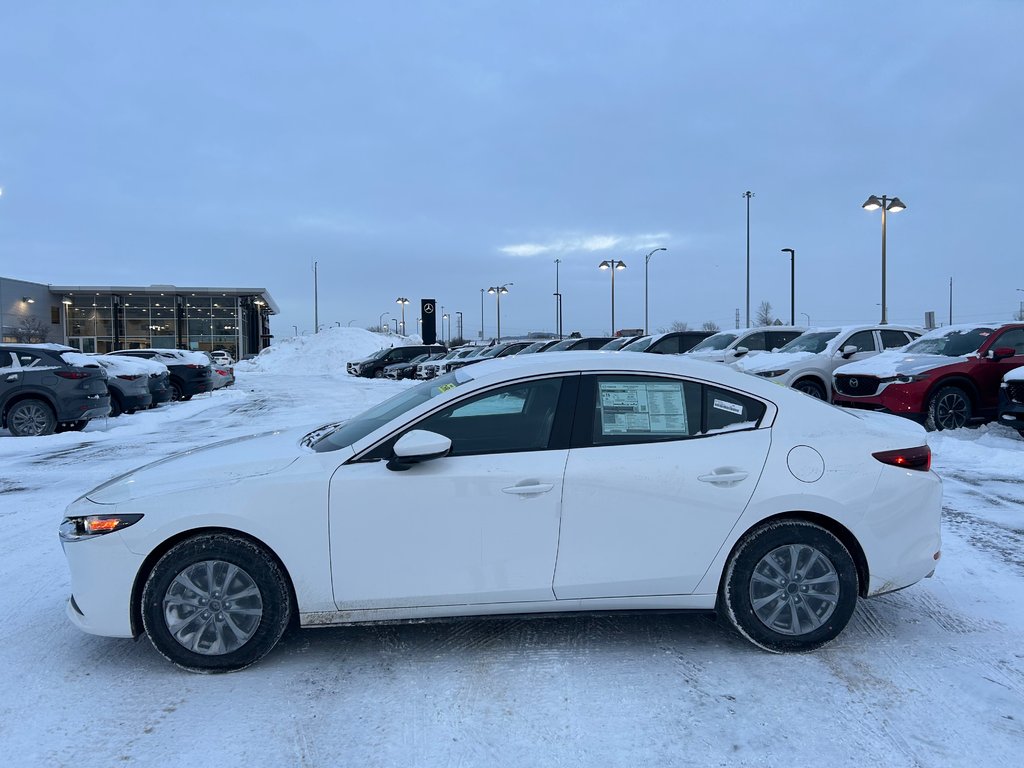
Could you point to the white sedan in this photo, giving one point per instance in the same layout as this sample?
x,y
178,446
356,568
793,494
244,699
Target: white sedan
x,y
548,483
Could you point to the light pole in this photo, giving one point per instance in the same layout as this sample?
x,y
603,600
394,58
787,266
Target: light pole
x,y
316,301
447,339
403,301
1020,312
459,315
558,302
808,318
886,203
497,290
380,321
748,194
647,260
612,264
481,314
296,329
395,321
792,284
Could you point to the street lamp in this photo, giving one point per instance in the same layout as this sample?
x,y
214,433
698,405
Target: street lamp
x,y
459,314
395,321
808,318
380,321
612,264
647,260
446,316
316,301
558,302
497,290
792,284
403,301
748,194
1020,312
886,203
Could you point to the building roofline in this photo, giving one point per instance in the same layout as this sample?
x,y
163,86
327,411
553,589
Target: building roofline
x,y
176,289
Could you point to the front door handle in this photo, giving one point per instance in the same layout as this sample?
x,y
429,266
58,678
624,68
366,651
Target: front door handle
x,y
526,490
723,478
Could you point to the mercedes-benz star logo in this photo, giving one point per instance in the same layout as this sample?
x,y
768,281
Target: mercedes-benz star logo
x,y
428,309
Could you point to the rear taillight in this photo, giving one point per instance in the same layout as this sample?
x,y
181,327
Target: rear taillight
x,y
72,374
129,376
193,365
907,458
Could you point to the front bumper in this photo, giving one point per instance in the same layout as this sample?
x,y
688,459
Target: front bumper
x,y
103,572
1011,412
909,400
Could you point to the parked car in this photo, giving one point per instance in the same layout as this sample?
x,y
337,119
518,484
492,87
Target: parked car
x,y
373,366
537,346
127,383
808,361
190,372
222,375
1011,400
47,388
729,346
616,344
775,510
671,342
223,357
491,353
431,368
406,370
159,379
946,379
584,343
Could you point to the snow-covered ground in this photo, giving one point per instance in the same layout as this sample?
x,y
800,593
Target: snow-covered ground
x,y
930,676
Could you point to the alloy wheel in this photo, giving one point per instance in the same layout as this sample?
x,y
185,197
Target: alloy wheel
x,y
794,589
951,411
212,607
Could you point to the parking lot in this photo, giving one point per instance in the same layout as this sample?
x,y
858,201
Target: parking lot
x,y
932,675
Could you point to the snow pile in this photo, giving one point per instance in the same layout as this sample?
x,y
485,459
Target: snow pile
x,y
322,353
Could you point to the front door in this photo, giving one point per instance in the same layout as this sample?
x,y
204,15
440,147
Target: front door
x,y
477,526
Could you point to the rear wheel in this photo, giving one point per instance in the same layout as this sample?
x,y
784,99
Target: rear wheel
x,y
789,586
176,392
115,405
949,408
216,603
31,418
811,387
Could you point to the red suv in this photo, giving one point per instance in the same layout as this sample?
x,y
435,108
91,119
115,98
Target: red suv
x,y
946,379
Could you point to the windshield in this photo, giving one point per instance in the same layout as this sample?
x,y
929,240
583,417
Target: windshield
x,y
615,344
717,342
564,344
640,345
532,348
953,343
363,424
810,342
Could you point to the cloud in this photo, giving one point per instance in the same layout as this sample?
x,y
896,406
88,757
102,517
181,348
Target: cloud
x,y
587,243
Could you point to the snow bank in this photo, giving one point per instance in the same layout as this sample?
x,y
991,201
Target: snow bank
x,y
318,354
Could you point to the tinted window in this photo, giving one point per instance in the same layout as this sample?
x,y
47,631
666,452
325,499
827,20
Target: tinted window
x,y
726,411
666,346
514,418
1012,338
778,339
864,341
893,339
753,341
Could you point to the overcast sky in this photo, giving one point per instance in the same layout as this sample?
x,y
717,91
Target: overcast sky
x,y
433,149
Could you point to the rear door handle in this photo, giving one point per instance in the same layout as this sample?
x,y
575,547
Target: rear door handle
x,y
526,490
723,478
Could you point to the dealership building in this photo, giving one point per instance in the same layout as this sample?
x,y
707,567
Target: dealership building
x,y
106,318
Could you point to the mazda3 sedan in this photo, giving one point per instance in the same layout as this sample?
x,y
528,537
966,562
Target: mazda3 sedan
x,y
547,484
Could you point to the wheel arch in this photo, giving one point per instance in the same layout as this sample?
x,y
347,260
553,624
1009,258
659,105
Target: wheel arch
x,y
833,526
814,376
159,551
954,380
31,394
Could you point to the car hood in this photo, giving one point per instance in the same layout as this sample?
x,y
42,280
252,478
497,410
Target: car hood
x,y
895,363
219,464
771,361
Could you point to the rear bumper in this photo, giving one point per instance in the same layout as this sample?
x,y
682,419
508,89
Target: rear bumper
x,y
135,402
82,408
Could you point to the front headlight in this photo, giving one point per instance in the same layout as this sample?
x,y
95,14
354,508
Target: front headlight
x,y
88,526
773,374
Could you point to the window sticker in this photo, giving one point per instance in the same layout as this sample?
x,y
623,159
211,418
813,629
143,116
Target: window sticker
x,y
725,405
446,387
641,408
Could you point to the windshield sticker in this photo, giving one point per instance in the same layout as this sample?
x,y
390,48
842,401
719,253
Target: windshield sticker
x,y
641,408
725,405
446,387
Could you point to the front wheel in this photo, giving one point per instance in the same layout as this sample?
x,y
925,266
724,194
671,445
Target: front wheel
x,y
215,603
949,408
812,388
378,374
789,586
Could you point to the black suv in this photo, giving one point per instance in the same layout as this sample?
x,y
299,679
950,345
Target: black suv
x,y
190,372
373,366
47,388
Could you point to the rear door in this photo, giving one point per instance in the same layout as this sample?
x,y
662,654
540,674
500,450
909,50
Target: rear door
x,y
659,472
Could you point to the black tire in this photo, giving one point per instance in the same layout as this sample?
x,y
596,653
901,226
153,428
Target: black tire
x,y
379,373
948,408
811,387
176,391
115,405
261,617
31,418
784,614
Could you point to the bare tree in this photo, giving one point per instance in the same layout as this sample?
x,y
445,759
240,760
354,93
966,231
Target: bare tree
x,y
678,325
764,314
32,331
710,325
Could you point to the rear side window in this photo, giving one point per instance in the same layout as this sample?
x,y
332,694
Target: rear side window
x,y
893,339
726,411
778,339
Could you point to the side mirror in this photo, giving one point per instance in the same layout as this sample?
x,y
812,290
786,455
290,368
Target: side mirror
x,y
850,350
418,446
1001,353
740,351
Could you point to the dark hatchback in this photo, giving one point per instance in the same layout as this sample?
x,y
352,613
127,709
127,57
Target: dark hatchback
x,y
47,388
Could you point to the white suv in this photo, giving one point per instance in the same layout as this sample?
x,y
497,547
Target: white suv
x,y
729,346
807,362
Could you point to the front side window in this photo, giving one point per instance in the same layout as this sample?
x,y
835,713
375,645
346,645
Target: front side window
x,y
1013,338
754,341
666,346
778,339
864,341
